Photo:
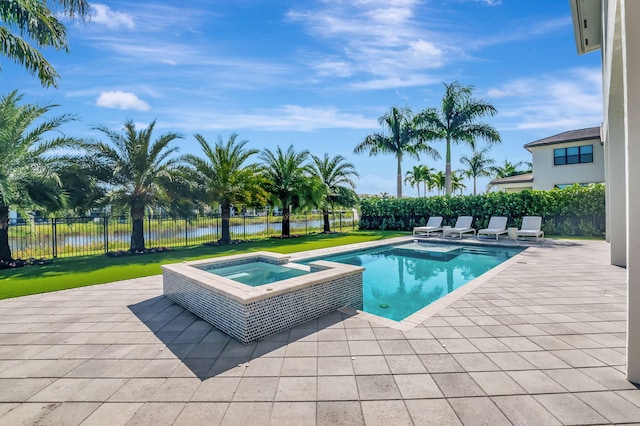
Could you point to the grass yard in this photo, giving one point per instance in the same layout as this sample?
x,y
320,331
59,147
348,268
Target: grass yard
x,y
89,270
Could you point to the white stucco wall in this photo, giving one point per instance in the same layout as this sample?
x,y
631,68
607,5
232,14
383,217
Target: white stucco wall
x,y
513,187
547,175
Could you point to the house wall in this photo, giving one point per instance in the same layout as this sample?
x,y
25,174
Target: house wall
x,y
547,175
513,187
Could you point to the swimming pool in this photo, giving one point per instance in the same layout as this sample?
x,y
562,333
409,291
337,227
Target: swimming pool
x,y
400,280
256,273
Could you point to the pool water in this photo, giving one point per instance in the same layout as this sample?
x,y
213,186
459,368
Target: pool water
x,y
256,273
400,280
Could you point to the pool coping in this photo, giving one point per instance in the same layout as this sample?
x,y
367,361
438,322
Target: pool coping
x,y
433,308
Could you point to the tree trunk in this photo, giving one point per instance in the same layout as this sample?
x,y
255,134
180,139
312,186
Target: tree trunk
x,y
286,217
5,250
327,224
447,172
226,215
474,185
137,233
399,178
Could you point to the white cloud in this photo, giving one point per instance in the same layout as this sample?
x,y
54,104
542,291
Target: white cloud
x,y
563,101
286,117
102,14
375,40
121,100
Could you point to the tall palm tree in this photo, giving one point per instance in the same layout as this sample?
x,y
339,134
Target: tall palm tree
x,y
288,178
223,177
478,165
28,165
457,121
34,20
337,176
143,173
402,139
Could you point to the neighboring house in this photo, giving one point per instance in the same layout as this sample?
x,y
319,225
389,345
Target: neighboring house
x,y
576,156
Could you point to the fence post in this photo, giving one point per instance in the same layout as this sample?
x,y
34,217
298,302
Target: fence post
x,y
105,229
54,239
306,224
267,223
244,225
186,232
340,221
217,237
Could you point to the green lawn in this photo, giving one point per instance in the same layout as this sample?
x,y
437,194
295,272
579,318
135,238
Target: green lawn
x,y
83,271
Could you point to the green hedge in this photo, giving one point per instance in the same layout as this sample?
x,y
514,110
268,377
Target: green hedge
x,y
575,210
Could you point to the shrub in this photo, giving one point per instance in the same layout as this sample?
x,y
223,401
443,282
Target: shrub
x,y
574,210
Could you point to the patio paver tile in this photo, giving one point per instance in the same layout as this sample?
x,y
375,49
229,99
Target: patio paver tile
x,y
201,414
405,364
156,413
256,389
457,385
569,409
296,389
247,413
384,413
496,383
293,413
478,411
218,389
339,413
431,412
417,386
524,410
614,407
335,366
377,387
337,388
118,413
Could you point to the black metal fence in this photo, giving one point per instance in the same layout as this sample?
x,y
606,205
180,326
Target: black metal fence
x,y
80,236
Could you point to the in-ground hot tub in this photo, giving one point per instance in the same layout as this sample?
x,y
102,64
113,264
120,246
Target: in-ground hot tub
x,y
279,294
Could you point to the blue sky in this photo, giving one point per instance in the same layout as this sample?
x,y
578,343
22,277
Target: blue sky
x,y
318,74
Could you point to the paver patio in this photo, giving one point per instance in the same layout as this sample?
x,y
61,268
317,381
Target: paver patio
x,y
540,342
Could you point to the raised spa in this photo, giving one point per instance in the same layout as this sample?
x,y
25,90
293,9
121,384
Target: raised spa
x,y
254,295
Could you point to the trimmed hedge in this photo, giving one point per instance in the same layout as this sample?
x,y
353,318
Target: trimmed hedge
x,y
574,210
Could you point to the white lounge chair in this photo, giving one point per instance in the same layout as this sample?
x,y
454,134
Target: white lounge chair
x,y
497,226
462,226
434,224
530,227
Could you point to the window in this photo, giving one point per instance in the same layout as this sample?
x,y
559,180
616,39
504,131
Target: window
x,y
573,155
567,185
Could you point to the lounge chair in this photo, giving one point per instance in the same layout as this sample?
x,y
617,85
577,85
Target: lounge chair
x,y
530,227
462,226
434,224
497,226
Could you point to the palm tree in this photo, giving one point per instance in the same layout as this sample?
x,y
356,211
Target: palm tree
x,y
414,177
336,174
403,139
223,177
457,183
289,181
28,169
478,165
143,173
508,169
34,20
439,180
457,121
